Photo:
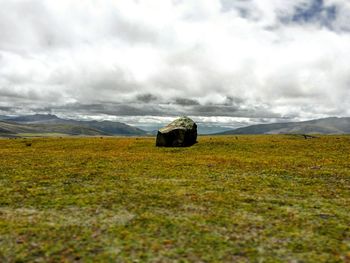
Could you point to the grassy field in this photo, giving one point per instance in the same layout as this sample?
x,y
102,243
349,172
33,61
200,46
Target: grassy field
x,y
226,199
41,135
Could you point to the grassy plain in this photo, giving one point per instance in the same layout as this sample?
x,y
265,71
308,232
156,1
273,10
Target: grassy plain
x,y
277,198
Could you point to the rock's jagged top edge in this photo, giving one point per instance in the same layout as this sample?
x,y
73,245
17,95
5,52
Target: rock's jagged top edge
x,y
181,122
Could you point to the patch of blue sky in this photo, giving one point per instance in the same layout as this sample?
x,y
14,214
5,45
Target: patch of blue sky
x,y
314,12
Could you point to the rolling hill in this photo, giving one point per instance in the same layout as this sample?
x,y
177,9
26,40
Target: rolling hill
x,y
42,124
331,125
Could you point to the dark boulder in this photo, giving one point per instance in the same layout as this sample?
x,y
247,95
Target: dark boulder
x,y
182,132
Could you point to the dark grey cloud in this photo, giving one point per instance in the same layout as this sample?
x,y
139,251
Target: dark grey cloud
x,y
112,109
146,98
5,109
161,110
186,102
233,101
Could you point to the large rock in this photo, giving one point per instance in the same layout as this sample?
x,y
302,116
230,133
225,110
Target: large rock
x,y
182,132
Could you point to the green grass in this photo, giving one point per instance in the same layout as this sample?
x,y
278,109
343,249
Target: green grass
x,y
226,199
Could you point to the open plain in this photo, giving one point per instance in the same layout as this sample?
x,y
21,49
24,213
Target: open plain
x,y
269,198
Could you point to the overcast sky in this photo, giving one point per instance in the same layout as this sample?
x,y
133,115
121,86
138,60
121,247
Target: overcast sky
x,y
153,59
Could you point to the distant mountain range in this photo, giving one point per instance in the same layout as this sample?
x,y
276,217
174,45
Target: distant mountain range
x,y
331,125
202,129
46,124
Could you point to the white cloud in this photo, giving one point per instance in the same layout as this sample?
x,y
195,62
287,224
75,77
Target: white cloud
x,y
57,53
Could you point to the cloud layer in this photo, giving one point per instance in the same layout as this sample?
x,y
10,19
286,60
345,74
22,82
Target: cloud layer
x,y
244,58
